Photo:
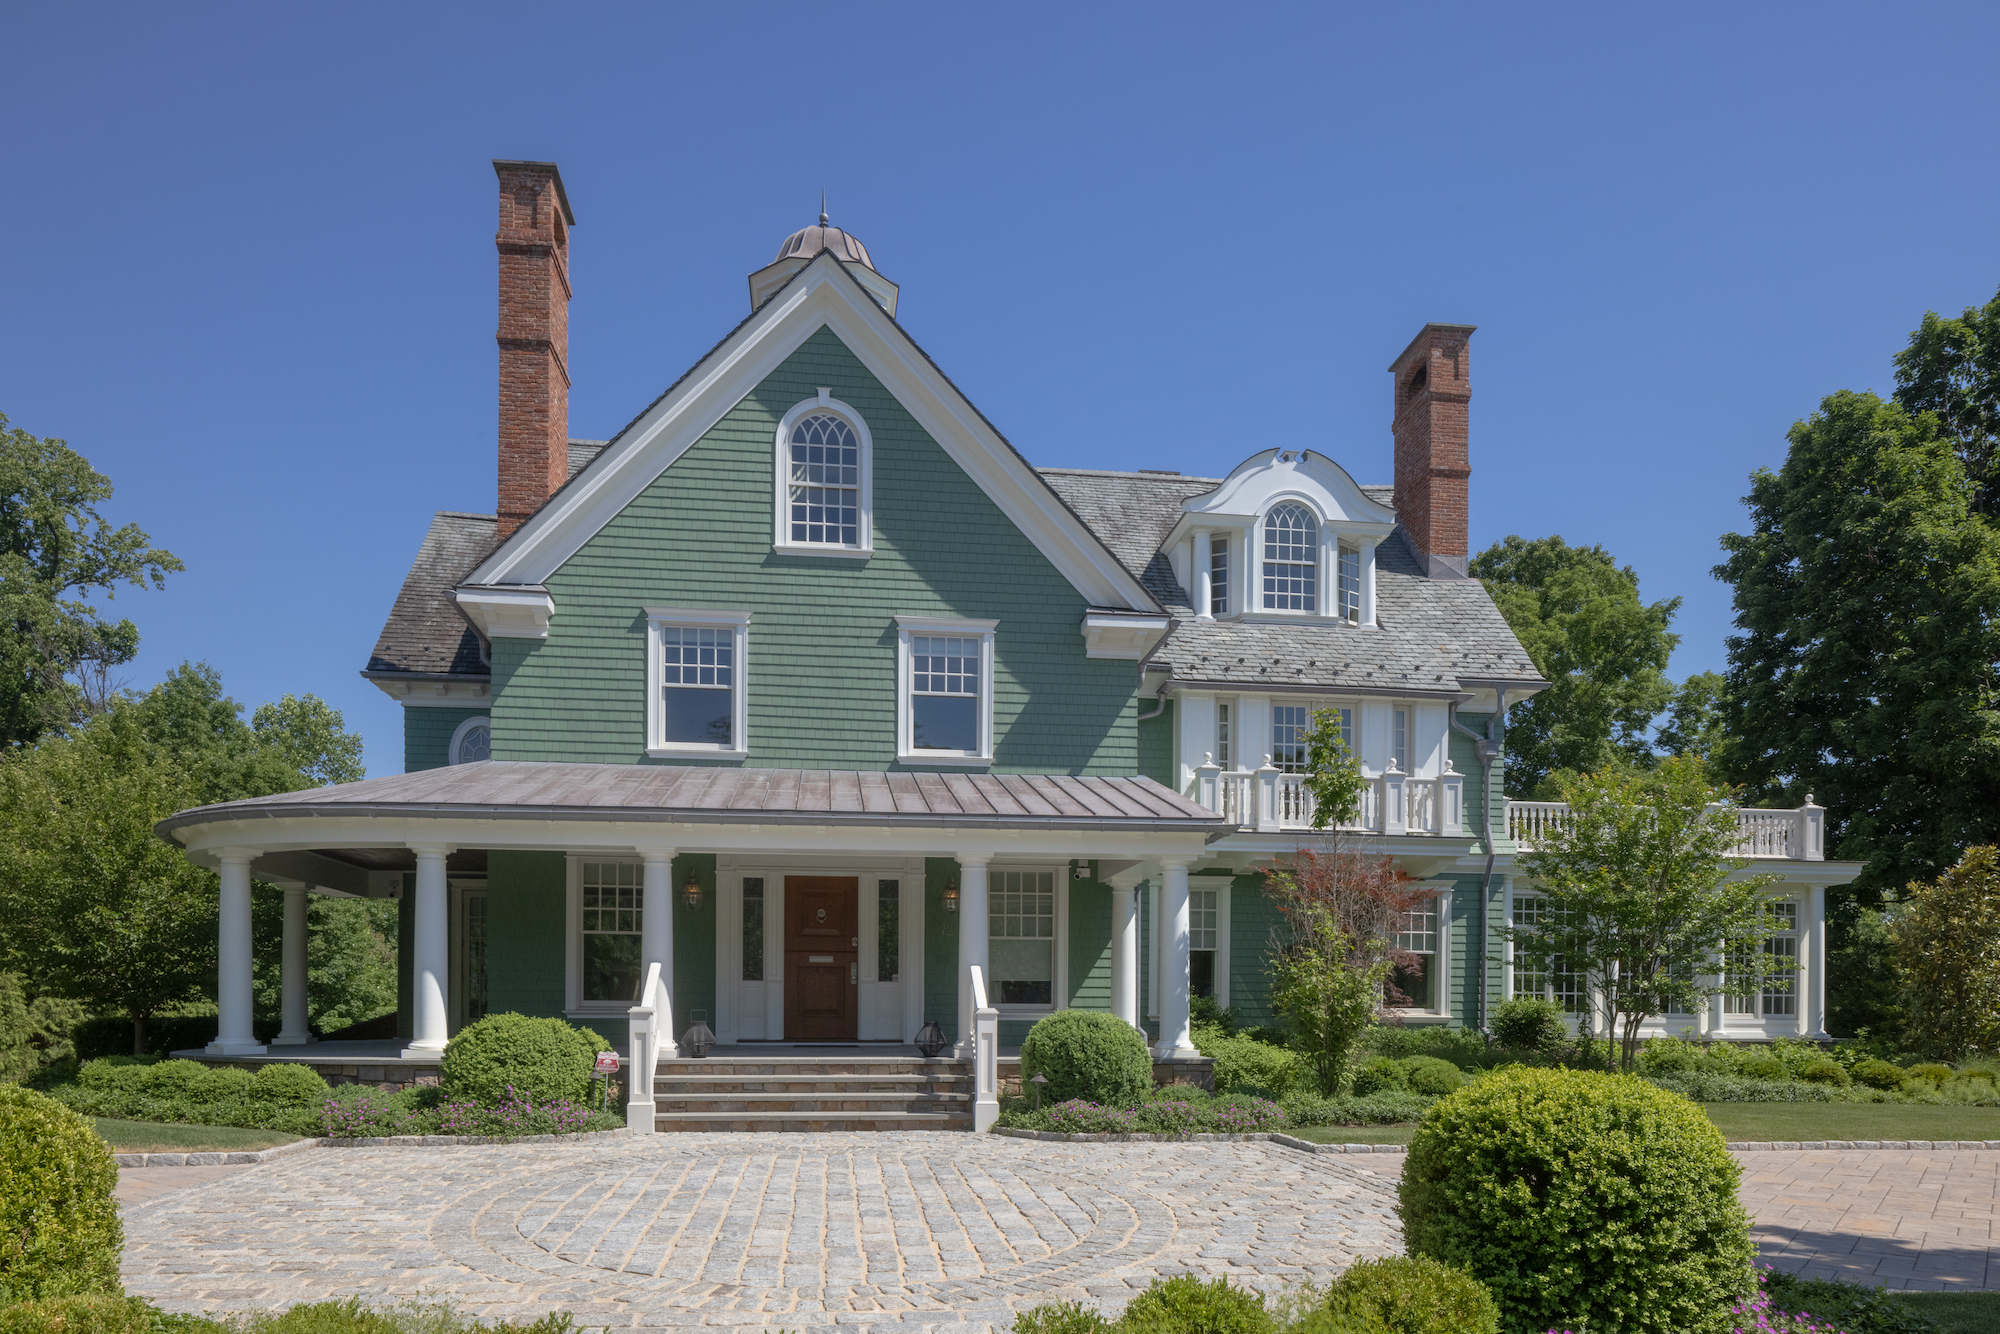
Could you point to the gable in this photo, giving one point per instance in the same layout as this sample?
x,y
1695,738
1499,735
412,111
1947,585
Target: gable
x,y
821,296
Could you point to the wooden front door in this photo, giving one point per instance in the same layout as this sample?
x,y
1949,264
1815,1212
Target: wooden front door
x,y
822,957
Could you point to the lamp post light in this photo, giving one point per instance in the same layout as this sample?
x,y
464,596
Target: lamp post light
x,y
1039,1080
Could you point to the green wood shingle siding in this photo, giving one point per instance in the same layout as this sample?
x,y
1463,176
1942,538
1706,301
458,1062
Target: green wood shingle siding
x,y
822,639
1156,745
427,735
1251,919
526,910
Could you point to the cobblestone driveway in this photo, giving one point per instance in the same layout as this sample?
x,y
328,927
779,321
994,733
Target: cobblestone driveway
x,y
895,1231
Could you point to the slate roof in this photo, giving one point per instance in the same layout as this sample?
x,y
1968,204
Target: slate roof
x,y
537,790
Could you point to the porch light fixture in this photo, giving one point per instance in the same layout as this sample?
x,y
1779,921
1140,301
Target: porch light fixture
x,y
951,896
931,1040
692,892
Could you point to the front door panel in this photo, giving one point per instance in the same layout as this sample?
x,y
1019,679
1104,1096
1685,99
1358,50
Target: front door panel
x,y
822,956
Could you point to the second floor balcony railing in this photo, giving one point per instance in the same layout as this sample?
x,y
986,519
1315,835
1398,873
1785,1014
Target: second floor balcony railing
x,y
1789,835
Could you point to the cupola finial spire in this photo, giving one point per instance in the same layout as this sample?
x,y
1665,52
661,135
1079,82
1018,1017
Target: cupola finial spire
x,y
822,206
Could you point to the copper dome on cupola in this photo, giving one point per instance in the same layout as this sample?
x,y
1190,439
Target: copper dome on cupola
x,y
802,246
809,241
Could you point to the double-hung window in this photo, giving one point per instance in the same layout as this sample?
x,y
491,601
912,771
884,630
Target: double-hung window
x,y
609,902
1550,979
1350,586
1021,937
1415,981
1291,558
695,704
1291,724
945,690
1204,932
825,471
1218,576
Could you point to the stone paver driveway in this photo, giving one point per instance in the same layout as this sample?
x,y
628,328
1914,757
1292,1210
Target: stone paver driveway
x,y
894,1231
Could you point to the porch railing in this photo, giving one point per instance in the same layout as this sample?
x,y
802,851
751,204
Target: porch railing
x,y
985,1055
1789,835
643,1049
1270,800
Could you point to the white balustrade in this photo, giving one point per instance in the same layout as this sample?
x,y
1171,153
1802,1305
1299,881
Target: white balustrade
x,y
1273,800
643,1050
985,1056
1790,835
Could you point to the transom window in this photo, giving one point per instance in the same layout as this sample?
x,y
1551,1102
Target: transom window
x,y
1291,559
1021,936
825,482
697,685
944,693
612,894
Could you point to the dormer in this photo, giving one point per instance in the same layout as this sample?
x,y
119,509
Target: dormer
x,y
1288,535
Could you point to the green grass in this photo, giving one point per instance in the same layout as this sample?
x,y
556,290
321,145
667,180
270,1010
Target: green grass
x,y
159,1137
1959,1312
1851,1120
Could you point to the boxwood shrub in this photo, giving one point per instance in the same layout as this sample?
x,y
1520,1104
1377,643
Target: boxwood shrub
x,y
1581,1200
542,1058
59,1229
1404,1295
1184,1304
1530,1024
1087,1054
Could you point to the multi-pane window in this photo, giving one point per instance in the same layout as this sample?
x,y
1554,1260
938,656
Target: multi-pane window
x,y
1218,576
475,957
697,685
1399,738
1350,585
1021,936
1291,559
753,928
825,496
888,930
1416,983
1533,977
1204,928
1781,958
1223,722
1290,725
944,693
473,743
612,893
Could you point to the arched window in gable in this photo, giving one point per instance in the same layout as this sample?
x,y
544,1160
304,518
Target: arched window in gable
x,y
1291,558
824,480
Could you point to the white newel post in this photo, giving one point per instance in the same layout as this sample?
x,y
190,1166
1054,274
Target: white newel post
x,y
1208,783
972,926
292,972
1267,798
233,1035
430,957
1125,946
1812,832
1450,801
1815,1007
1175,1039
1204,560
642,1056
1395,813
656,942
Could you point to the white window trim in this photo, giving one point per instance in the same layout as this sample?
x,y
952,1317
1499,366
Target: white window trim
x,y
658,617
1059,990
1253,605
1441,901
781,532
908,627
1224,889
574,1004
458,735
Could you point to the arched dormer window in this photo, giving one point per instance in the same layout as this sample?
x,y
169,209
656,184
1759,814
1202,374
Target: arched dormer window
x,y
825,476
1291,558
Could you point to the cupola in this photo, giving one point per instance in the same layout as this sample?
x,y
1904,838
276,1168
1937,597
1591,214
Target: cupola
x,y
802,246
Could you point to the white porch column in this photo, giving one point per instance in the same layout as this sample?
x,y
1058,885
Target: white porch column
x,y
656,938
1815,1007
430,956
1204,558
972,927
233,1035
1175,1039
1125,946
292,972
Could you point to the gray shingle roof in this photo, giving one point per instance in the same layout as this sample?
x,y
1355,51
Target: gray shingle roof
x,y
425,633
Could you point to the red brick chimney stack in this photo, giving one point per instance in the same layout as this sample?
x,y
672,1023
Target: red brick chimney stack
x,y
534,337
1433,395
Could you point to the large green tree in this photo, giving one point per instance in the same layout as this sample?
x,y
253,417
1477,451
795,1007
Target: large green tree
x,y
58,651
1603,651
1951,369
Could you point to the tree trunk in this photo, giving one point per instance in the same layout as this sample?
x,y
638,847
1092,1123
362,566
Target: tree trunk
x,y
138,1035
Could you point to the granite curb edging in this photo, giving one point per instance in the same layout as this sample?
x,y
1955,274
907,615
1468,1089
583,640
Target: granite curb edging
x,y
1308,1146
244,1158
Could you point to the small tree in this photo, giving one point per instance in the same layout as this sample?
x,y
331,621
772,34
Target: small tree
x,y
1333,774
1947,939
1640,902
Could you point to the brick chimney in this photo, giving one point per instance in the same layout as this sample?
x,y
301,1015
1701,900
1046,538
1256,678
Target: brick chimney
x,y
534,337
1433,395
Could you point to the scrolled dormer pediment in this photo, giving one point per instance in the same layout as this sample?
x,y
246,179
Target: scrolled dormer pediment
x,y
1264,479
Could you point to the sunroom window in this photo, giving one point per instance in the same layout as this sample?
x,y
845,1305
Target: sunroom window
x,y
1291,559
825,482
1532,977
1777,998
1021,936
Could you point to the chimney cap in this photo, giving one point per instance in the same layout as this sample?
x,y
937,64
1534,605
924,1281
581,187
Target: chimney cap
x,y
1404,355
501,164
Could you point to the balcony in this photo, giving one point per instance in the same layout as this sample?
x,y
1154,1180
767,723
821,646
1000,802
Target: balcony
x,y
1269,800
1768,835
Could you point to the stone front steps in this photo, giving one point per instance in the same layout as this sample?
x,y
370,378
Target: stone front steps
x,y
801,1093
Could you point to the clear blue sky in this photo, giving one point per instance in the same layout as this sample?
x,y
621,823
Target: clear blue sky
x,y
248,265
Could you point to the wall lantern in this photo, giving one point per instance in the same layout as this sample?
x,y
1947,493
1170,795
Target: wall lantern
x,y
951,896
692,892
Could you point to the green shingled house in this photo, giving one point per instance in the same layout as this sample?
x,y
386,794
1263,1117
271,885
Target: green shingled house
x,y
810,689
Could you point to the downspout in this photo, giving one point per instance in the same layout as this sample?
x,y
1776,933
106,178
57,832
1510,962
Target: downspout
x,y
1486,748
1160,695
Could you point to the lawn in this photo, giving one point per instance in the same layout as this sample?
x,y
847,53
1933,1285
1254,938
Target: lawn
x,y
1959,1312
1851,1120
158,1137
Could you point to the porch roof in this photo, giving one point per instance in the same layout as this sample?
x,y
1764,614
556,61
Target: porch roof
x,y
681,794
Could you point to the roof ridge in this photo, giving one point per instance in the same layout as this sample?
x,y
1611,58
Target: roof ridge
x,y
466,514
1114,472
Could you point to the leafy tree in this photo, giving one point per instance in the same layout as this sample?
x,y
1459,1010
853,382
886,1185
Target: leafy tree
x,y
1951,369
1333,774
311,737
33,1033
1948,940
1640,896
1694,727
1603,651
57,651
1867,593
350,957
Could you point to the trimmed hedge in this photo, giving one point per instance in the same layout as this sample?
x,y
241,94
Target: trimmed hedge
x,y
1405,1295
1581,1198
1529,1023
1087,1054
59,1229
1186,1305
510,1054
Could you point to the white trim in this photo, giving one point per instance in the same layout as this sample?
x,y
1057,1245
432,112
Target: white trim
x,y
823,294
437,694
739,711
507,613
1224,889
984,631
1126,637
1441,896
458,735
781,541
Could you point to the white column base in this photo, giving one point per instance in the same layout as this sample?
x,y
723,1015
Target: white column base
x,y
283,1041
221,1048
639,1116
413,1052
